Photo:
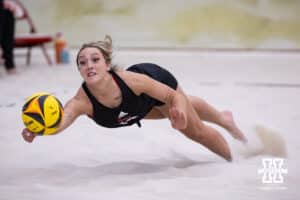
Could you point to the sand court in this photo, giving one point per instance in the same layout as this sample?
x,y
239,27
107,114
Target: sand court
x,y
86,161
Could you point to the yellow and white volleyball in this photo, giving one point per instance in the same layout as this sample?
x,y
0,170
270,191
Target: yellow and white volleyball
x,y
42,113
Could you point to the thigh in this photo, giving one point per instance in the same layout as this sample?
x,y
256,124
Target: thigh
x,y
155,113
8,24
195,101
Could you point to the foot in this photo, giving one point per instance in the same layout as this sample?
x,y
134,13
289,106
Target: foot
x,y
231,127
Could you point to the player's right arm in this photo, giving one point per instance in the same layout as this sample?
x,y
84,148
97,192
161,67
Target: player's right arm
x,y
73,108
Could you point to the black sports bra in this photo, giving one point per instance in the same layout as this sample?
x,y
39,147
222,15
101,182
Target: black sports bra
x,y
131,110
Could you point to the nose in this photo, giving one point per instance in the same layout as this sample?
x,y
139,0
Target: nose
x,y
90,65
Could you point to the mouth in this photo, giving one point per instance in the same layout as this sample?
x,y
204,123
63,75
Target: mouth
x,y
91,74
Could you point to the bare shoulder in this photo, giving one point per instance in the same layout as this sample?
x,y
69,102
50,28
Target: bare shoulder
x,y
80,103
135,81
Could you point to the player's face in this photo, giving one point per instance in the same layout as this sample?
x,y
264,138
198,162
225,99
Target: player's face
x,y
91,64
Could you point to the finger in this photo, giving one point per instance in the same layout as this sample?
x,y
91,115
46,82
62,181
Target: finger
x,y
180,121
24,133
29,139
174,113
27,136
174,117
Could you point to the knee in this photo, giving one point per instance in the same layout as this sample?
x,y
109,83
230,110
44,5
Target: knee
x,y
194,131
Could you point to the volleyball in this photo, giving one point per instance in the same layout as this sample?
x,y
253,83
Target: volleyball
x,y
42,113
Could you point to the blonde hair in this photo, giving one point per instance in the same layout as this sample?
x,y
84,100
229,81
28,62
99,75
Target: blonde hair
x,y
104,46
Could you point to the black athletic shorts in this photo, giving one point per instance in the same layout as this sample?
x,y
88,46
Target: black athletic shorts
x,y
157,73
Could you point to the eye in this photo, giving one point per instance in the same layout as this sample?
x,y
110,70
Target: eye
x,y
82,62
95,60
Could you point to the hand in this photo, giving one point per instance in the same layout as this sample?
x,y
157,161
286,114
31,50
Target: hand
x,y
28,136
10,5
178,118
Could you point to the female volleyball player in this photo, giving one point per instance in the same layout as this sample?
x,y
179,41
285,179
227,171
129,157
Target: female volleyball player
x,y
116,98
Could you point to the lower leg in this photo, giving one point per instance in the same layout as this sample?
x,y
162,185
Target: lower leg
x,y
210,138
7,41
231,127
205,135
199,132
224,119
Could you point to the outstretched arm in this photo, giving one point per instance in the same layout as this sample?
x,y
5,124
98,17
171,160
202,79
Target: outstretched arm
x,y
71,111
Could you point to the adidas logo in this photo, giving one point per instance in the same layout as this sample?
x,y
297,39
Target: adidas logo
x,y
122,114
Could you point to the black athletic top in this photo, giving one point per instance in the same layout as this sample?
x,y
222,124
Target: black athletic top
x,y
132,108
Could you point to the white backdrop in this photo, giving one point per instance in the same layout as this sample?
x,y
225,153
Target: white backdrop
x,y
169,23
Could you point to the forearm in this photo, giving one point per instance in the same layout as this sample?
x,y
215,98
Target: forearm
x,y
175,99
68,119
72,110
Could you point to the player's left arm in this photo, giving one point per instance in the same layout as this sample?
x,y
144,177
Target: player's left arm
x,y
176,101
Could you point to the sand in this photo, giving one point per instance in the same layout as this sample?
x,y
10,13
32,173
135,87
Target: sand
x,y
156,162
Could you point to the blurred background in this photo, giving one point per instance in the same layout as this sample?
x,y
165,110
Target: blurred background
x,y
205,44
259,24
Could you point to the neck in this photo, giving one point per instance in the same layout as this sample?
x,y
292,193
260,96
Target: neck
x,y
104,86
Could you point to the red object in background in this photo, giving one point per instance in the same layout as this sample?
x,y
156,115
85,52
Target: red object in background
x,y
32,39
